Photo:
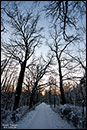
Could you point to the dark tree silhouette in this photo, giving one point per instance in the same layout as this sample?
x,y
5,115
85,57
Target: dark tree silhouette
x,y
64,13
58,49
40,70
26,38
53,85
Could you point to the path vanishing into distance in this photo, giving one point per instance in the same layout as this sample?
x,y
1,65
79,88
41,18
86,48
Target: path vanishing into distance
x,y
43,117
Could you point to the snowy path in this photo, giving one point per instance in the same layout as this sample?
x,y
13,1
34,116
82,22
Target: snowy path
x,y
43,117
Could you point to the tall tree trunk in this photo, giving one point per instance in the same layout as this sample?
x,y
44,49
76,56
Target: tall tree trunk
x,y
32,95
63,101
55,97
19,85
31,99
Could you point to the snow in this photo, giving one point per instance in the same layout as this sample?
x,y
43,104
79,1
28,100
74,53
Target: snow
x,y
6,116
43,117
73,114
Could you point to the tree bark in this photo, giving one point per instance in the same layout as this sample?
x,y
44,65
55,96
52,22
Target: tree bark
x,y
32,96
31,100
63,100
19,85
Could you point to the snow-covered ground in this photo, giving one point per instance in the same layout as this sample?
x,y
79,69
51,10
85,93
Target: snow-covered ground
x,y
43,117
73,114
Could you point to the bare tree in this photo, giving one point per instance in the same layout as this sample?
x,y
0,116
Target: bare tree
x,y
3,26
4,63
69,15
39,70
77,61
9,74
64,13
58,48
80,58
26,38
52,90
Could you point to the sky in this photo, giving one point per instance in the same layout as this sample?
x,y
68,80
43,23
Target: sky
x,y
26,5
43,22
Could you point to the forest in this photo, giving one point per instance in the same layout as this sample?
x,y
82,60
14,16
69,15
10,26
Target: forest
x,y
43,61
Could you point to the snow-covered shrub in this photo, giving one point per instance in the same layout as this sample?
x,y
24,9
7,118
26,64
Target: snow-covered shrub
x,y
73,114
19,113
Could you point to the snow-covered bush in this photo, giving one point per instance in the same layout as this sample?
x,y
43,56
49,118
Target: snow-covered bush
x,y
73,114
10,117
